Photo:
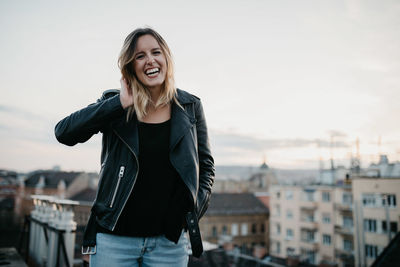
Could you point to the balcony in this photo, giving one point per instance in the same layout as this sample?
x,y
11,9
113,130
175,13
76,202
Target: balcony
x,y
344,230
309,244
308,205
344,207
344,254
308,224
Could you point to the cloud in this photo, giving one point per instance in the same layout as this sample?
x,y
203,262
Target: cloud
x,y
236,141
20,124
15,111
335,133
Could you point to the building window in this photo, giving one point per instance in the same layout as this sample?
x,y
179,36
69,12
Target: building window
x,y
393,227
214,231
278,195
347,222
289,234
369,200
309,196
307,216
326,218
347,245
278,229
326,197
391,200
289,195
289,214
371,251
262,228
278,210
347,198
278,247
370,225
290,251
244,229
253,228
224,230
308,236
309,255
235,229
326,239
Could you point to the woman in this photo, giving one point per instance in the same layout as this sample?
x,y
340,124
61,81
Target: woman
x,y
156,166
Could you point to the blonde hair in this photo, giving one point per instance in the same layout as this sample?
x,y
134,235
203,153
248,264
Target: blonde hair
x,y
141,95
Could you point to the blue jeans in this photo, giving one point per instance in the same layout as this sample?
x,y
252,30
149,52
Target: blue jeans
x,y
121,251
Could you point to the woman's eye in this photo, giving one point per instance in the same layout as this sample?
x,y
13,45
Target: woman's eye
x,y
139,56
157,52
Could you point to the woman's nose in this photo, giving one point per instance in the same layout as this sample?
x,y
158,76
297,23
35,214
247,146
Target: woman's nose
x,y
150,60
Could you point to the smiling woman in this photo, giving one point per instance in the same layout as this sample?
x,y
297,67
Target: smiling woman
x,y
147,67
157,170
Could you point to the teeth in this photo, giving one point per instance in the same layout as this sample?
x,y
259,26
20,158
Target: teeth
x,y
152,71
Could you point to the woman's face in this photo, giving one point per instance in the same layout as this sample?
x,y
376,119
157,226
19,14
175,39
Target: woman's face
x,y
149,62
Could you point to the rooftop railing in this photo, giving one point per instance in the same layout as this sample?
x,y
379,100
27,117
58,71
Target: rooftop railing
x,y
50,232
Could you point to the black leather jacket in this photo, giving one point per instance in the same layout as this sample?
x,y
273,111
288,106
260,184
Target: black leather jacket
x,y
190,155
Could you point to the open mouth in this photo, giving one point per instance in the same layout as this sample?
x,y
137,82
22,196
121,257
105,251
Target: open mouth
x,y
152,72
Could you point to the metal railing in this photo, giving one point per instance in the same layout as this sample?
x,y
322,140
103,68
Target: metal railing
x,y
50,232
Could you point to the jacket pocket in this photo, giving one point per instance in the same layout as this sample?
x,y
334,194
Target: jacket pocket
x,y
120,175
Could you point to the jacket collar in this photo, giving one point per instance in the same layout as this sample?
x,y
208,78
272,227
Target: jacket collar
x,y
181,121
184,97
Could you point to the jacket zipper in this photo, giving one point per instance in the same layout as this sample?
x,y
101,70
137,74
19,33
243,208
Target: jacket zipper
x,y
134,181
120,175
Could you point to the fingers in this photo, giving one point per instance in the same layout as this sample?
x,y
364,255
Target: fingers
x,y
123,83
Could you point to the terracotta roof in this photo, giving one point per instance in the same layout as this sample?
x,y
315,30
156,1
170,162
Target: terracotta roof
x,y
51,178
235,204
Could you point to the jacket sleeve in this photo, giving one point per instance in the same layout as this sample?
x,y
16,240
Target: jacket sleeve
x,y
83,124
206,162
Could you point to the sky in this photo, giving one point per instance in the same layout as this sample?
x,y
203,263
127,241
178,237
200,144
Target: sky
x,y
291,82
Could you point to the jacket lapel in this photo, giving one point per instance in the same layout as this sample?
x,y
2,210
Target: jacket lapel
x,y
181,121
128,132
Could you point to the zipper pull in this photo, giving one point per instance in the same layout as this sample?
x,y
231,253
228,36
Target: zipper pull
x,y
121,172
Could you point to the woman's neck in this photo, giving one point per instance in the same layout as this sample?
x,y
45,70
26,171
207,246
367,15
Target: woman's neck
x,y
155,94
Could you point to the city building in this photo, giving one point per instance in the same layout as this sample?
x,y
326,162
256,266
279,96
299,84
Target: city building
x,y
56,183
343,225
306,224
376,216
236,220
256,180
9,220
383,168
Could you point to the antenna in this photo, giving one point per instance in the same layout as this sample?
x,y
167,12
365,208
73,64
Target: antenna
x,y
379,145
331,150
356,161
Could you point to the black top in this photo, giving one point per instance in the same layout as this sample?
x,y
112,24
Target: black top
x,y
156,204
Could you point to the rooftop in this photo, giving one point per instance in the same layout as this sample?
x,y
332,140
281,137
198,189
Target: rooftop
x,y
51,178
235,204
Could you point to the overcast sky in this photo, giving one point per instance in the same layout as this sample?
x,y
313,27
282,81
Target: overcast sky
x,y
277,78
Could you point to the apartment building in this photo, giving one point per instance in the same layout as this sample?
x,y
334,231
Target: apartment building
x,y
376,216
312,223
236,219
343,225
